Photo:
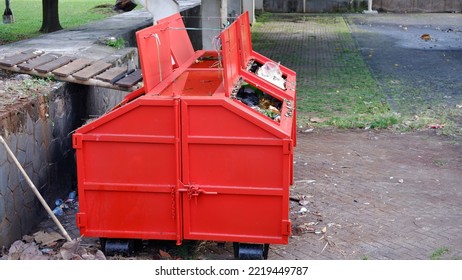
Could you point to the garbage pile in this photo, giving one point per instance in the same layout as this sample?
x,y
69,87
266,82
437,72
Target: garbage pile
x,y
260,101
50,246
271,72
63,205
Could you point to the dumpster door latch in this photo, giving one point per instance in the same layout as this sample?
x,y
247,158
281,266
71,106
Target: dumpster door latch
x,y
194,191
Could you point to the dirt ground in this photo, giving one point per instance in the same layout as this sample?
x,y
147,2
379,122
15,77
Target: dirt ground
x,y
16,89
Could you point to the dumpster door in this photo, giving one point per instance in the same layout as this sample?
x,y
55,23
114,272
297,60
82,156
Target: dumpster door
x,y
235,174
128,166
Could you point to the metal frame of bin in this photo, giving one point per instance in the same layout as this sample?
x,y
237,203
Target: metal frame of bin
x,y
182,158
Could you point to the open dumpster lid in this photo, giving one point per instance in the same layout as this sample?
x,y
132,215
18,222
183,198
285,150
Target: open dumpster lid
x,y
245,39
180,43
155,54
163,48
230,55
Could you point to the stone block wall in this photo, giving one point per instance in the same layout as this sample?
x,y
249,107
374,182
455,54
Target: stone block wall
x,y
314,6
418,6
329,6
39,134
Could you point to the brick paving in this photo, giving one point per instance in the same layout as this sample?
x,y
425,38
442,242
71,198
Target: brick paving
x,y
372,195
375,202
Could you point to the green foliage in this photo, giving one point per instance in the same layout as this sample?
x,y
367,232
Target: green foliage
x,y
438,253
263,17
28,16
365,121
118,43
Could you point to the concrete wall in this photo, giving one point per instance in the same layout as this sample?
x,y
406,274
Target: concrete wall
x,y
320,6
234,8
313,6
192,19
428,6
214,16
258,4
38,133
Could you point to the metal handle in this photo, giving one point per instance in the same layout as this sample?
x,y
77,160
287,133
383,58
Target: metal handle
x,y
199,191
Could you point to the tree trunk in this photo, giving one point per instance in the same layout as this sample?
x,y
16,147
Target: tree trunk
x,y
50,18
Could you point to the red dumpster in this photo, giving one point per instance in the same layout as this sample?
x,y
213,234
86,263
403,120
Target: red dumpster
x,y
188,156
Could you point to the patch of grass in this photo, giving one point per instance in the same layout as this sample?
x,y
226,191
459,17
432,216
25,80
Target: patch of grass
x,y
335,83
439,163
439,117
32,84
423,108
348,94
28,16
263,17
438,253
118,43
365,121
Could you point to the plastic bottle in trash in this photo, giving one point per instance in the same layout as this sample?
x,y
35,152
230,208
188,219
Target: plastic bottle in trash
x,y
58,211
58,202
71,197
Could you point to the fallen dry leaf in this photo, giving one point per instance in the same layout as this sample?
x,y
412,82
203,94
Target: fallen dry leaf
x,y
304,228
46,238
425,37
100,255
28,238
25,251
318,120
165,255
303,202
297,198
72,250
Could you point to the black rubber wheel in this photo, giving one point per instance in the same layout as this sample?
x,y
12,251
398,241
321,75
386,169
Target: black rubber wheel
x,y
245,251
123,247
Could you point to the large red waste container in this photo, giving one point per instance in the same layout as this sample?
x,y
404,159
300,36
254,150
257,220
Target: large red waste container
x,y
187,157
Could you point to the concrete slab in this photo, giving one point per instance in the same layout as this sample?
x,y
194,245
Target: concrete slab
x,y
84,40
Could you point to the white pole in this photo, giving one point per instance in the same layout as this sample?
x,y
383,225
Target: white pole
x,y
369,8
